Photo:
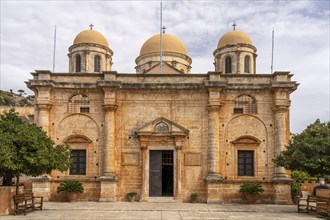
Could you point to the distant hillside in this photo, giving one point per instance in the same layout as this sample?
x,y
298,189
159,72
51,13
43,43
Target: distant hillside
x,y
13,99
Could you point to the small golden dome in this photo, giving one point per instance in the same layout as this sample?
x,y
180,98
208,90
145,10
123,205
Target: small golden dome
x,y
170,43
91,36
234,37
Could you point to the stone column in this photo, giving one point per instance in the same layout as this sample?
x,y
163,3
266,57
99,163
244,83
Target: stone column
x,y
178,147
213,140
109,141
43,116
108,179
281,139
145,173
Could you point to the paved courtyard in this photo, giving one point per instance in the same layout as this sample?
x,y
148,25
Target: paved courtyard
x,y
155,211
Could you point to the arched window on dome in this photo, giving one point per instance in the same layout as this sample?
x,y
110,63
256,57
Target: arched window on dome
x,y
228,65
79,104
247,64
97,63
78,63
245,104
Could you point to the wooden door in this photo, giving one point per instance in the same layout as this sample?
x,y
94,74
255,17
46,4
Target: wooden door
x,y
155,173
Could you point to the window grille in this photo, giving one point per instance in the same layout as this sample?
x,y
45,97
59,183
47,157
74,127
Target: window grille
x,y
245,163
97,64
161,127
247,64
78,63
245,104
79,104
167,157
78,162
228,68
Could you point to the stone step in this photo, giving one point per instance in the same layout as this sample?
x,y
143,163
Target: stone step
x,y
161,199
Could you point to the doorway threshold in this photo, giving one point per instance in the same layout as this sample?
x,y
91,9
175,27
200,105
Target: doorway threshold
x,y
161,199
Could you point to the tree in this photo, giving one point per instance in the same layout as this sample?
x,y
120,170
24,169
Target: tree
x,y
308,151
26,149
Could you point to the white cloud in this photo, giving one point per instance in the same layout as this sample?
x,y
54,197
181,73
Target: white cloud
x,y
301,38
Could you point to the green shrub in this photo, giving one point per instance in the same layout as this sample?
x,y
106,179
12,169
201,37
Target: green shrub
x,y
193,197
251,188
70,186
299,176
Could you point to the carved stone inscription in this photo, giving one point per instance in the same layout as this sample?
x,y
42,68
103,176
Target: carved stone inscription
x,y
130,159
193,159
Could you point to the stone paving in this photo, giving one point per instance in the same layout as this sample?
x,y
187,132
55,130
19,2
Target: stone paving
x,y
162,211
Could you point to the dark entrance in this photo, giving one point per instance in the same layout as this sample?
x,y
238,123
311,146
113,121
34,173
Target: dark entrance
x,y
161,173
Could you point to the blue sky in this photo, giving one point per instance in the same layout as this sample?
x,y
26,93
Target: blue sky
x,y
301,39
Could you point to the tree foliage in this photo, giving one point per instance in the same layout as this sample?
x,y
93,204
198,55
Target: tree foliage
x,y
308,151
26,149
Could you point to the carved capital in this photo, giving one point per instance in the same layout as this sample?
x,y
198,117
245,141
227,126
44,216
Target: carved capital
x,y
214,179
281,108
110,108
178,143
143,146
110,178
213,108
44,106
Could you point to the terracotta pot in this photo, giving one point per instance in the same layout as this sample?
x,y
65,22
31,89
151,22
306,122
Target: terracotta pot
x,y
251,198
131,198
72,197
295,199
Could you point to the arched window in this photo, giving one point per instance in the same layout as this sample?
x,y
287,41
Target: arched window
x,y
245,104
247,64
161,127
228,65
79,104
97,64
78,63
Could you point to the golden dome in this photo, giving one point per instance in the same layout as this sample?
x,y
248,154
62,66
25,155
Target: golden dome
x,y
170,43
91,36
234,37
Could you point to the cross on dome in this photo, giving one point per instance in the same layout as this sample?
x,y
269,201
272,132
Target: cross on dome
x,y
234,26
164,28
91,26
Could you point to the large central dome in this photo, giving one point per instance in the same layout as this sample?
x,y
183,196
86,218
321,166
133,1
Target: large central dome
x,y
170,43
91,36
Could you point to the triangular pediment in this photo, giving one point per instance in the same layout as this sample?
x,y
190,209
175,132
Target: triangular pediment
x,y
166,69
163,127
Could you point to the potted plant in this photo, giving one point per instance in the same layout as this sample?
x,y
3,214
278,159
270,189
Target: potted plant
x,y
296,192
251,191
193,197
71,189
131,196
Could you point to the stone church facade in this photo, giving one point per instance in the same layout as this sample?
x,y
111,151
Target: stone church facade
x,y
163,132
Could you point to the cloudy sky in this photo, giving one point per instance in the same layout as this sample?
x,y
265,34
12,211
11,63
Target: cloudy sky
x,y
301,39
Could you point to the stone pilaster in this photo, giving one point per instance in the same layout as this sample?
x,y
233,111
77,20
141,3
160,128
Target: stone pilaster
x,y
43,116
145,172
178,147
280,137
213,141
109,141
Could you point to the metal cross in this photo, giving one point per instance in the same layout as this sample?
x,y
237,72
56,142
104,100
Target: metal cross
x,y
91,25
234,26
163,28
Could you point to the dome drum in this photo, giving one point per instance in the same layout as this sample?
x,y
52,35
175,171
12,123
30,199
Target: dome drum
x,y
174,54
90,53
235,54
